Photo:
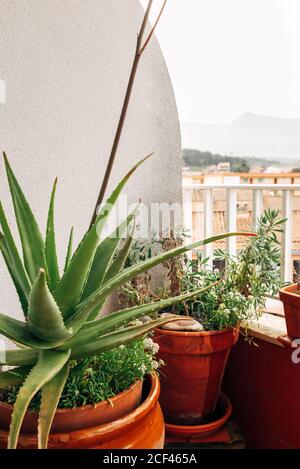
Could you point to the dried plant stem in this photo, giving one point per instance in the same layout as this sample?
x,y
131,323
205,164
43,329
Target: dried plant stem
x,y
140,48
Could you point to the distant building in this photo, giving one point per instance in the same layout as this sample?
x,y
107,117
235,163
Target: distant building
x,y
223,167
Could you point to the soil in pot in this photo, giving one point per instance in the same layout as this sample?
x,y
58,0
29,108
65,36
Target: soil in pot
x,y
192,378
142,427
290,296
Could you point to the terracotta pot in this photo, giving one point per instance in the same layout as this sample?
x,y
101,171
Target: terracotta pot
x,y
67,420
291,303
192,377
190,432
142,427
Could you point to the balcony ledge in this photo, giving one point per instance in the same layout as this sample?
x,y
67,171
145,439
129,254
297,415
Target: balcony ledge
x,y
270,325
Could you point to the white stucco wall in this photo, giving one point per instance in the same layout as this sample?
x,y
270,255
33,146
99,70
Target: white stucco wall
x,y
66,64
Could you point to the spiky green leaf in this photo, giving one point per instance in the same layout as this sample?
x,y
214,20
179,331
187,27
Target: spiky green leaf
x,y
69,250
48,365
118,263
117,338
115,267
14,377
104,257
19,357
11,269
44,317
50,244
31,238
72,283
93,330
51,393
19,333
96,299
18,268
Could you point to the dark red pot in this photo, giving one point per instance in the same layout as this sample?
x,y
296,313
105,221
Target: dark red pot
x,y
291,303
192,377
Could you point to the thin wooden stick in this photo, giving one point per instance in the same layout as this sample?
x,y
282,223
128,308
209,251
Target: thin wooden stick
x,y
153,28
140,48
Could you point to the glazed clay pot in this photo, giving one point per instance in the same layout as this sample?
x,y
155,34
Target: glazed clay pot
x,y
192,377
142,427
67,420
291,303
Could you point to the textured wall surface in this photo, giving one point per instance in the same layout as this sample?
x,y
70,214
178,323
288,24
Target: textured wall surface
x,y
66,65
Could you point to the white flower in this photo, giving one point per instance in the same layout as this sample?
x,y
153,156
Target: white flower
x,y
143,368
155,364
148,343
155,348
151,346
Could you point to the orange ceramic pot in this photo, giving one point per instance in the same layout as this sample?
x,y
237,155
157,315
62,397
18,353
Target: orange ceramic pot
x,y
142,427
192,378
291,303
67,420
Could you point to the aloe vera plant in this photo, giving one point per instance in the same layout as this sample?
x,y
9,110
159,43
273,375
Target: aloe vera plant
x,y
61,311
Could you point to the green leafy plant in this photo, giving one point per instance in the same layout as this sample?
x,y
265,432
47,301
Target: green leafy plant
x,y
101,377
61,310
241,291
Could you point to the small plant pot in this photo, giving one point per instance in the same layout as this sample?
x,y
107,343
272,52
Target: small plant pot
x,y
291,303
141,427
192,378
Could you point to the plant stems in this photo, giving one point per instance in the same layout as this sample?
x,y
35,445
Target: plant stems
x,y
140,48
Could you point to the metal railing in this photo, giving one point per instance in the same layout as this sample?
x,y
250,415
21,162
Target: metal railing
x,y
232,213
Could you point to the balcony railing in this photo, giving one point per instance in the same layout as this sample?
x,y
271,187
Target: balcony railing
x,y
286,192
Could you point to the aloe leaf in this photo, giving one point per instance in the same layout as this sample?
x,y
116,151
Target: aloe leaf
x,y
118,263
72,283
48,365
117,338
93,330
51,393
31,238
69,250
14,377
113,270
50,244
19,333
44,317
115,267
19,357
14,255
97,298
11,269
104,257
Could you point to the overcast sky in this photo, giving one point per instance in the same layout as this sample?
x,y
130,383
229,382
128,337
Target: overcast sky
x,y
227,57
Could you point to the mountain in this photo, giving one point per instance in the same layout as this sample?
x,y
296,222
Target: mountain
x,y
248,135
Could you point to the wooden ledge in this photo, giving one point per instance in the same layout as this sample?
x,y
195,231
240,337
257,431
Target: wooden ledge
x,y
268,328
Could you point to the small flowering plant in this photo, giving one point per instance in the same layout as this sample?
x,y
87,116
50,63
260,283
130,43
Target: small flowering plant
x,y
242,286
101,377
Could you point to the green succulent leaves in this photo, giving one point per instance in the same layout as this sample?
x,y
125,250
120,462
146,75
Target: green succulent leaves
x,y
32,242
60,311
48,365
44,317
